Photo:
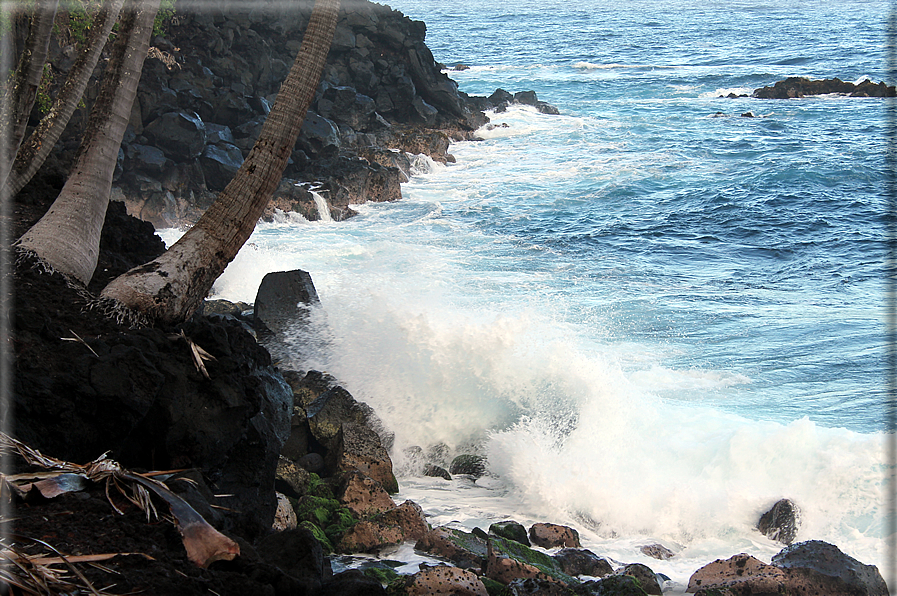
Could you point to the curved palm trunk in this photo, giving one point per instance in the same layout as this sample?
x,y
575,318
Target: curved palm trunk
x,y
67,237
169,289
26,80
37,147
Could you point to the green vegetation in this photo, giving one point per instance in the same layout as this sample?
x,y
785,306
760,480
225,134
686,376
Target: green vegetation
x,y
324,517
42,99
537,559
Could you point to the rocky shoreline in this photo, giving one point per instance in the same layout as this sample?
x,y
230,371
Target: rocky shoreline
x,y
285,462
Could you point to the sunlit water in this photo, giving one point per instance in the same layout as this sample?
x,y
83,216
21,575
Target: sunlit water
x,y
656,317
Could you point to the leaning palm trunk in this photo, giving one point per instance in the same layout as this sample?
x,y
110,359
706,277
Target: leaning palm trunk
x,y
67,237
40,143
26,80
169,289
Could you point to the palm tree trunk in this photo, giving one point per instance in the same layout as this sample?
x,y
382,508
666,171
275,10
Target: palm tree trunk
x,y
67,237
23,90
37,147
169,289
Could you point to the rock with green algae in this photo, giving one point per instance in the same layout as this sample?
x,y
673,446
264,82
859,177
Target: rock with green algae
x,y
508,560
511,530
472,465
464,549
617,585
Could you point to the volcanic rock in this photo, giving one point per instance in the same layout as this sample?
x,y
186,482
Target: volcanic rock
x,y
511,530
781,522
445,581
553,535
464,549
579,561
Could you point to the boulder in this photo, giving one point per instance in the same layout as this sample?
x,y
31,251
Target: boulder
x,y
358,447
317,134
352,582
363,496
445,581
145,158
218,133
538,587
291,478
296,553
781,522
553,535
828,560
579,561
436,472
472,465
219,164
508,560
812,567
464,549
369,536
511,530
647,580
181,136
278,300
405,522
657,551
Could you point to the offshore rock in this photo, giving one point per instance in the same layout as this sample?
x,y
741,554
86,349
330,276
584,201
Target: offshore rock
x,y
781,522
472,465
795,87
464,549
435,471
553,535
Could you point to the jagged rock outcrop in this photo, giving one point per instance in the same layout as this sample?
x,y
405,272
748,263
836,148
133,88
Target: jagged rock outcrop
x,y
794,87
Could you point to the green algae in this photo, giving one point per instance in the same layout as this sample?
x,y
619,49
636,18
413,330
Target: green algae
x,y
523,554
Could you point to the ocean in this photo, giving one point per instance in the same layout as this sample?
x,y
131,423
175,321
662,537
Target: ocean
x,y
654,315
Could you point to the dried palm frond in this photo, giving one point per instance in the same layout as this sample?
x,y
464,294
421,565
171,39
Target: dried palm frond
x,y
204,544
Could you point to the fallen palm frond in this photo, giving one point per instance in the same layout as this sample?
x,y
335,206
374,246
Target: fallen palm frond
x,y
36,575
199,355
204,544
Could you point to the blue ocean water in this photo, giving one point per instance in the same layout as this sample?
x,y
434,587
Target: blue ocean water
x,y
654,315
